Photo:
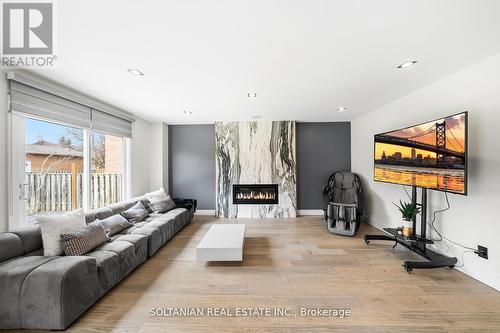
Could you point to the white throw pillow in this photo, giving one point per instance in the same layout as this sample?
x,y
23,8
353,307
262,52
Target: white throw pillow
x,y
156,196
52,226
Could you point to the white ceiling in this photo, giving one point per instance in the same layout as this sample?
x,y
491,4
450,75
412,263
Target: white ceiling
x,y
303,58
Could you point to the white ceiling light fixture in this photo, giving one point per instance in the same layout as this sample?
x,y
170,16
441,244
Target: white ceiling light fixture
x,y
252,94
256,117
135,72
188,113
341,109
407,64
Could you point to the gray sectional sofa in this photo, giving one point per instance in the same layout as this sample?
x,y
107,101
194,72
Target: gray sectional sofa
x,y
40,292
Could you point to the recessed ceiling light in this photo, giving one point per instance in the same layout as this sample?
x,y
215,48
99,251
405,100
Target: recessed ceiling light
x,y
341,109
407,64
135,72
187,113
252,94
256,117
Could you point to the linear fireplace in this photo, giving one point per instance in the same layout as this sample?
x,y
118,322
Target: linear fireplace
x,y
258,194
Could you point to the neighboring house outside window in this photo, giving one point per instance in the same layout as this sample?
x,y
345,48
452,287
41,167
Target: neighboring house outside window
x,y
44,156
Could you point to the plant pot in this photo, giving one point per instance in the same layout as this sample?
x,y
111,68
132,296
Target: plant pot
x,y
407,231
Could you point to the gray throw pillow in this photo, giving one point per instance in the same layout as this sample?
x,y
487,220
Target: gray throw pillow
x,y
116,223
162,206
83,240
145,203
135,214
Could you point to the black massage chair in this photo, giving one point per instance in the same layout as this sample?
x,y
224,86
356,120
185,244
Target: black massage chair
x,y
345,203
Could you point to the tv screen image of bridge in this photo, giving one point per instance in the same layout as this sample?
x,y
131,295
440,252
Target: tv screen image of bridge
x,y
431,155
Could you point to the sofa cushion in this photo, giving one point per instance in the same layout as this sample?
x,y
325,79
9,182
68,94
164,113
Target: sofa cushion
x,y
80,241
166,227
10,246
58,292
30,236
53,226
125,252
108,269
103,213
155,238
137,213
89,217
181,216
141,224
12,276
140,243
116,223
117,208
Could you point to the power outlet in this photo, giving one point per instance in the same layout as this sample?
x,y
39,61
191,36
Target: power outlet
x,y
482,251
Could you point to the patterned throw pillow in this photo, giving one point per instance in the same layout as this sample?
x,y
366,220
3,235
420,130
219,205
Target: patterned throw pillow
x,y
162,206
114,224
135,214
83,240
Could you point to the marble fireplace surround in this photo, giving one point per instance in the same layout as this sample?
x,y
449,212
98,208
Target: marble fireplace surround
x,y
257,152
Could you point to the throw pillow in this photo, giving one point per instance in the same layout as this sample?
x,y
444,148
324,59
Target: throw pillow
x,y
116,223
163,206
135,214
156,195
83,240
145,203
52,226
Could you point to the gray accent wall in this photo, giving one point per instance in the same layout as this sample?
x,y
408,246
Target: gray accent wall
x,y
192,163
322,148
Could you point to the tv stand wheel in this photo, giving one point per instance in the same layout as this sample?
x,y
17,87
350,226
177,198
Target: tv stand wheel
x,y
367,241
407,269
450,267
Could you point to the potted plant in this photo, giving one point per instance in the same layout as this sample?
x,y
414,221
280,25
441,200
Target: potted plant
x,y
408,212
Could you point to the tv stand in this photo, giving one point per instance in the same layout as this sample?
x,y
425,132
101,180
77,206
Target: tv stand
x,y
416,243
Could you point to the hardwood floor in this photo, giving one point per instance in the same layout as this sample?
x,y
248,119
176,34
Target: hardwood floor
x,y
294,264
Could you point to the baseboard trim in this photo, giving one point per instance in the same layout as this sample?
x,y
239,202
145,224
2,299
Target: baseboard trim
x,y
310,212
205,212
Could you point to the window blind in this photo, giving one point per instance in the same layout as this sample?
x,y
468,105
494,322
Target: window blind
x,y
40,104
46,100
109,124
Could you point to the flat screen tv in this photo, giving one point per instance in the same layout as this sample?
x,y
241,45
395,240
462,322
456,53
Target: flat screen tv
x,y
431,155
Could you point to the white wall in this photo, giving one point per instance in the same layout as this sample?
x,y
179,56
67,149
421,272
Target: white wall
x,y
473,219
140,156
3,152
158,145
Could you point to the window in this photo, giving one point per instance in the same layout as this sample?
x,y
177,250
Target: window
x,y
53,179
54,165
107,169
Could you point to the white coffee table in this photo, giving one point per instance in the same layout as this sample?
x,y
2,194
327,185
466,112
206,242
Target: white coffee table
x,y
222,242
